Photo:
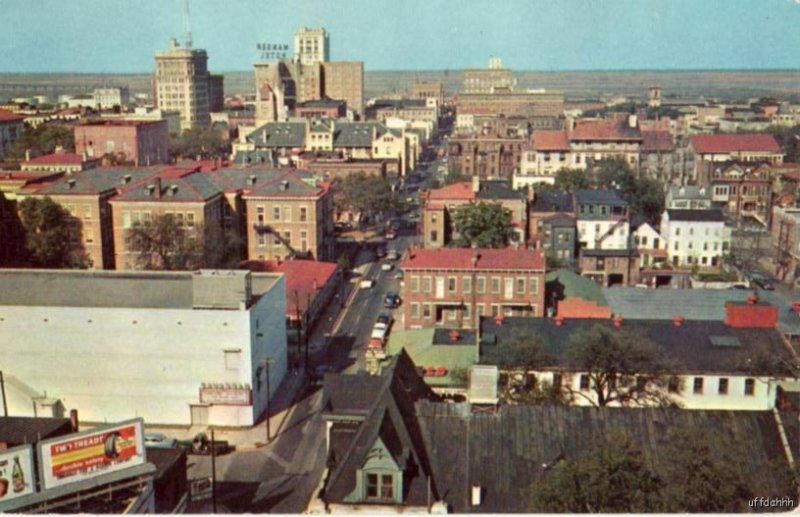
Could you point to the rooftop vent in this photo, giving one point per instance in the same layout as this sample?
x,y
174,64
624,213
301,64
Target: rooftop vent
x,y
251,180
173,189
71,183
677,320
285,185
126,179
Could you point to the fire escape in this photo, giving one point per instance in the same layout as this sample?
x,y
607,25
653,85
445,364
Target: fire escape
x,y
783,254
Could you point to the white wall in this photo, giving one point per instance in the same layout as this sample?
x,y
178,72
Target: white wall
x,y
587,232
112,364
695,239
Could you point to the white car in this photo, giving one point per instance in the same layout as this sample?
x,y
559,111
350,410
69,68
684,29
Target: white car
x,y
367,283
387,266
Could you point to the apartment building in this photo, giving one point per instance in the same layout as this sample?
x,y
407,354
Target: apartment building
x,y
703,149
454,287
742,190
695,237
486,156
603,221
11,126
107,98
135,142
487,80
345,80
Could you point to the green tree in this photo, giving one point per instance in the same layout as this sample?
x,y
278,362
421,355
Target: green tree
x,y
41,140
615,173
570,180
613,477
517,357
483,225
623,368
13,252
364,194
52,235
648,200
198,141
789,140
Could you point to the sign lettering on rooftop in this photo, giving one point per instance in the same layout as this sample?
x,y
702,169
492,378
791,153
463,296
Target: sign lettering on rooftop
x,y
272,51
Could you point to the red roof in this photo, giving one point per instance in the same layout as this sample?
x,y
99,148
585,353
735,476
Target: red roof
x,y
604,130
550,140
712,144
58,159
304,277
462,258
462,190
10,116
657,141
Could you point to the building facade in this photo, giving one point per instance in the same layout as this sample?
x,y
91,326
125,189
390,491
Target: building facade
x,y
126,141
311,45
695,237
182,84
11,126
603,221
345,80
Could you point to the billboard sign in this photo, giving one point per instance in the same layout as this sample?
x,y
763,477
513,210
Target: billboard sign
x,y
89,454
16,472
226,395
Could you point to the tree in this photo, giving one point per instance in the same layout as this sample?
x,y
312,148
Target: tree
x,y
198,141
483,225
41,140
570,180
12,235
365,194
623,368
615,173
613,477
52,235
648,200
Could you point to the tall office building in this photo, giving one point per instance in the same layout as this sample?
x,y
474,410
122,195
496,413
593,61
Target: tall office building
x,y
344,80
488,80
311,45
182,84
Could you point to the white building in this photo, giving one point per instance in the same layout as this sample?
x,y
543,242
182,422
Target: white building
x,y
695,237
107,98
175,348
311,46
181,84
602,220
652,247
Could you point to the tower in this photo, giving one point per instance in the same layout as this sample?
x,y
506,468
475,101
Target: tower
x,y
654,97
311,45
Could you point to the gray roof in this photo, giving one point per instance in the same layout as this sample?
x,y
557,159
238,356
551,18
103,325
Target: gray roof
x,y
597,252
287,184
691,348
96,181
236,178
653,304
507,451
356,134
191,186
688,192
19,430
552,202
560,220
493,189
259,156
599,196
710,215
321,103
279,134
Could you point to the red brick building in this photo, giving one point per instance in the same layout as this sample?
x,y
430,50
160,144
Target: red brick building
x,y
321,108
453,287
124,141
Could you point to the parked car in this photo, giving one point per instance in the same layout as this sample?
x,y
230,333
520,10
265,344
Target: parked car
x,y
380,252
763,283
160,441
384,318
391,301
740,285
390,234
366,283
393,254
399,274
387,266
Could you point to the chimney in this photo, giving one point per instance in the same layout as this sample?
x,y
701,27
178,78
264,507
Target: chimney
x,y
476,183
559,320
751,314
677,320
71,183
59,149
633,121
27,155
73,419
752,299
475,257
454,335
499,319
617,320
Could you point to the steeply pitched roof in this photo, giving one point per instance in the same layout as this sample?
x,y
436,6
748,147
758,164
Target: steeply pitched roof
x,y
653,141
599,196
550,140
176,185
96,181
288,184
462,258
506,452
391,418
713,215
760,352
728,143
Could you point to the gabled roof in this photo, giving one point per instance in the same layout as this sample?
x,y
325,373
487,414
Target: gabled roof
x,y
462,258
461,190
58,159
590,130
654,141
176,185
567,284
599,196
713,215
356,134
287,184
550,140
728,143
279,134
560,220
97,181
10,116
390,418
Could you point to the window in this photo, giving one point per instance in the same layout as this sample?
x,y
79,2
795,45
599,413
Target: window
x,y
426,311
414,284
480,285
691,231
426,284
698,386
495,285
677,231
146,218
452,314
190,219
584,382
557,380
434,235
88,235
534,286
304,240
495,310
415,311
676,246
178,218
673,385
87,212
723,386
749,387
380,486
233,359
126,220
303,214
451,284
520,286
481,308
260,214
262,240
466,285
276,213
465,312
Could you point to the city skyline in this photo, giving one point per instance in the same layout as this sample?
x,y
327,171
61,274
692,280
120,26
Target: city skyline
x,y
85,36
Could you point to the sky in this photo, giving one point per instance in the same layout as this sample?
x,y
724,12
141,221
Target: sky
x,y
121,36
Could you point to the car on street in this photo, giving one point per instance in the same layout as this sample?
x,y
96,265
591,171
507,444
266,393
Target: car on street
x,y
387,266
384,319
380,252
366,283
159,441
393,254
392,300
391,233
761,281
399,274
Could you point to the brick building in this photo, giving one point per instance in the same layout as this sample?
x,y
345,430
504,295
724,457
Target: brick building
x,y
11,126
127,141
59,161
321,108
453,287
731,147
610,267
742,189
486,156
427,90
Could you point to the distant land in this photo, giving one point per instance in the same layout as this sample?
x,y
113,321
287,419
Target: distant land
x,y
727,85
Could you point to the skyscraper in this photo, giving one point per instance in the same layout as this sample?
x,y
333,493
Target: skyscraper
x,y
311,45
182,84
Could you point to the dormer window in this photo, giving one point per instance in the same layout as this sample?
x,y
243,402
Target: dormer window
x,y
380,486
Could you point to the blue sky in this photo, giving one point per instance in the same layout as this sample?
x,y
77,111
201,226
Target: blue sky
x,y
122,35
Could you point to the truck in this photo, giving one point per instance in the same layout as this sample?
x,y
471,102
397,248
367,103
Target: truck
x,y
376,346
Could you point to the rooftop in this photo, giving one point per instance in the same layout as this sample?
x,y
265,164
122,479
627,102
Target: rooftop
x,y
564,283
97,181
434,348
10,116
550,140
58,159
468,259
654,141
605,130
727,143
599,196
688,192
173,185
712,215
548,201
19,430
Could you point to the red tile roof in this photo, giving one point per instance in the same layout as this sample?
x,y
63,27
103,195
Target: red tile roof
x,y
10,116
604,130
58,159
713,144
462,190
550,140
462,258
657,141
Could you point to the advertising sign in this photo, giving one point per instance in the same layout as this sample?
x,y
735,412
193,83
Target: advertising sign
x,y
16,472
86,455
226,396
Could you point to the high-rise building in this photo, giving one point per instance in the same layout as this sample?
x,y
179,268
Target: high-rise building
x,y
182,84
488,80
216,93
311,45
345,80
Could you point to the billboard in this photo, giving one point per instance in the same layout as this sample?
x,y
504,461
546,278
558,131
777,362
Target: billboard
x,y
226,395
16,472
89,454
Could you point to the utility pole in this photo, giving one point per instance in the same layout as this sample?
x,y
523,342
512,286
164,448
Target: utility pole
x,y
213,475
3,389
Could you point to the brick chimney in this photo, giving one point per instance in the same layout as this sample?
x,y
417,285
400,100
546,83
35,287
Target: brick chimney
x,y
751,314
677,320
617,319
559,320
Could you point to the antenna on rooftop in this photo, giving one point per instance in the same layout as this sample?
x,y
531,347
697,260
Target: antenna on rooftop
x,y
187,29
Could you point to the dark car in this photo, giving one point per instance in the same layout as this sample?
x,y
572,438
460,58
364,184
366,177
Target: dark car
x,y
384,318
380,252
391,301
763,283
